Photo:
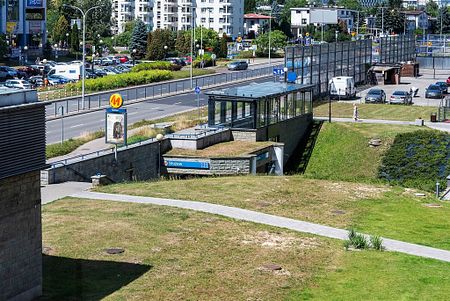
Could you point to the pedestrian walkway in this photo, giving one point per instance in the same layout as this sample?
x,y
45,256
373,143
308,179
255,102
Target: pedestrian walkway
x,y
268,219
55,192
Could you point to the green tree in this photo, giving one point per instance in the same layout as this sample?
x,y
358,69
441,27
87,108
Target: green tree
x,y
277,41
443,17
74,39
183,42
350,4
249,6
60,30
159,38
3,47
139,40
432,8
394,21
223,48
47,51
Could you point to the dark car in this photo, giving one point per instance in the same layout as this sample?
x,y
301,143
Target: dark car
x,y
443,86
36,81
176,61
100,72
400,97
433,91
4,74
239,65
376,96
448,81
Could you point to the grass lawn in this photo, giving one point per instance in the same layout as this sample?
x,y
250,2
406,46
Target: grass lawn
x,y
224,149
342,151
375,111
175,254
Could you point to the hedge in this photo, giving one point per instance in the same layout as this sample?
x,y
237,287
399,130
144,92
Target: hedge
x,y
160,65
417,159
123,80
207,61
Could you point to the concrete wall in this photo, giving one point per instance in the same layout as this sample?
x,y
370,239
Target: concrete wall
x,y
20,237
201,142
217,166
135,163
243,135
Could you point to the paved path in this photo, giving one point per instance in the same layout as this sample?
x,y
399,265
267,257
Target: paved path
x,y
268,219
54,192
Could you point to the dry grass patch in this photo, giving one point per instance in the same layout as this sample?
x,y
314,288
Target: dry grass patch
x,y
170,254
225,149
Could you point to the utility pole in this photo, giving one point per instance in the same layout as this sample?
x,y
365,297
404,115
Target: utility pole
x,y
270,30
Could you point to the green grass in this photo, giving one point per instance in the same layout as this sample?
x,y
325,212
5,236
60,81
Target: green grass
x,y
186,73
176,254
342,151
375,111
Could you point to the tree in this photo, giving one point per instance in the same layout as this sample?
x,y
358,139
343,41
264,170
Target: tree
x,y
139,39
183,42
223,48
249,6
159,38
74,39
60,30
432,8
47,51
394,21
443,17
3,47
277,41
350,4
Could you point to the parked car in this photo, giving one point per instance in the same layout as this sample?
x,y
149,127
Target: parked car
x,y
400,97
448,81
57,79
433,91
443,86
122,68
29,70
375,95
239,65
176,61
122,58
89,74
100,72
5,74
18,83
36,81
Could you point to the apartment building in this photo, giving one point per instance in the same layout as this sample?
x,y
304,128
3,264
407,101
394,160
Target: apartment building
x,y
223,16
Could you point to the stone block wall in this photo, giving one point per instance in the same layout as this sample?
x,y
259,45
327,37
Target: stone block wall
x,y
20,237
201,142
244,135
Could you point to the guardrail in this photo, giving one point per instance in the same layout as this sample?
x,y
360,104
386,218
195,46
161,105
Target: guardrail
x,y
99,100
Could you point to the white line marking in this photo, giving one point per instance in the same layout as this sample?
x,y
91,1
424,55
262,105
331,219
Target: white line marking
x,y
155,108
77,125
177,103
133,113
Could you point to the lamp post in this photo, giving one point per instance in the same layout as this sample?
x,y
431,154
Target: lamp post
x,y
67,40
56,51
270,30
25,50
134,56
93,58
165,51
83,75
100,47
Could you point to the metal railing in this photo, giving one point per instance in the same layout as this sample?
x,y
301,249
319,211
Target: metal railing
x,y
151,91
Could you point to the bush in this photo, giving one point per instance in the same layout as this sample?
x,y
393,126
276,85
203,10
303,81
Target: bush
x,y
207,61
356,240
159,65
417,159
245,54
123,80
376,242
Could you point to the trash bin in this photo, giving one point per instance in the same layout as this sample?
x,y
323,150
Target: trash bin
x,y
433,117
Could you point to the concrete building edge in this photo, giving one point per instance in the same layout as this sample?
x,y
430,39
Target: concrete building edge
x,y
30,294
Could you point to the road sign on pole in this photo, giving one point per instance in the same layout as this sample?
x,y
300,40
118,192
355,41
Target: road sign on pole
x,y
197,90
278,71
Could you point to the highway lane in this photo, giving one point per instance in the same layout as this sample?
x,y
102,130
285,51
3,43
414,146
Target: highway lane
x,y
78,125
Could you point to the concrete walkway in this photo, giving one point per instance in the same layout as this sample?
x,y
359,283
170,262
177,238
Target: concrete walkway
x,y
268,219
55,192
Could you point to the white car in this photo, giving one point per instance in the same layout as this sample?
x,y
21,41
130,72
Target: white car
x,y
18,83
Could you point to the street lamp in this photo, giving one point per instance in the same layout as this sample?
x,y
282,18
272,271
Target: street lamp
x,y
165,51
270,30
134,56
83,13
25,50
56,50
93,58
67,40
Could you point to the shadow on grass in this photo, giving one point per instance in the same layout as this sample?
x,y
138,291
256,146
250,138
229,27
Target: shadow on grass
x,y
80,279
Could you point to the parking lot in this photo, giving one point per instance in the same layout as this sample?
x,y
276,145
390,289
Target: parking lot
x,y
421,82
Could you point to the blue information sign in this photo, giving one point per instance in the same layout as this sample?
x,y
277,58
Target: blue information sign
x,y
197,90
34,3
186,164
278,71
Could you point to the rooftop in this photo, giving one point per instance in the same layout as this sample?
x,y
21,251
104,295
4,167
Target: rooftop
x,y
259,90
255,16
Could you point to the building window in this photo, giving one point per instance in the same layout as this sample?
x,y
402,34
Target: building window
x,y
203,20
304,21
211,20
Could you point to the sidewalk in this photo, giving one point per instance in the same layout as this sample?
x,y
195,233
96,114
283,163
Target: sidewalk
x,y
268,219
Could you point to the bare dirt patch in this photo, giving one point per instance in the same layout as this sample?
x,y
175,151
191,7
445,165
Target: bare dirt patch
x,y
278,241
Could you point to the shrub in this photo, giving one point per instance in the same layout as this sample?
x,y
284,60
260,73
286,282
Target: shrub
x,y
248,54
159,65
417,159
110,82
207,61
376,242
359,241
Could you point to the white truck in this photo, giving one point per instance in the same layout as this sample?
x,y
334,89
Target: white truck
x,y
342,87
71,71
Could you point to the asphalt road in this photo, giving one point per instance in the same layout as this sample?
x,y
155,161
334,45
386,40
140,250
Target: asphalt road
x,y
77,125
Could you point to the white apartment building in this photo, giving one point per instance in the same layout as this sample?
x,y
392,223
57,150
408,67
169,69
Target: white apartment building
x,y
304,16
223,16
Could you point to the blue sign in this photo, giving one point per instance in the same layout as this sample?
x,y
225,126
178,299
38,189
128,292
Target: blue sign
x,y
278,71
117,111
197,90
291,77
186,164
34,3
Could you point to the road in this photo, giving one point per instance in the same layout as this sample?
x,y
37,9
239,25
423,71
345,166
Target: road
x,y
78,125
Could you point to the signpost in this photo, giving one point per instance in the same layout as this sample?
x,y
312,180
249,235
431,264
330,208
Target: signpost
x,y
116,123
197,91
277,72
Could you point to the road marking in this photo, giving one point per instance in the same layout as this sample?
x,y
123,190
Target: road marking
x,y
134,113
177,103
156,108
77,125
